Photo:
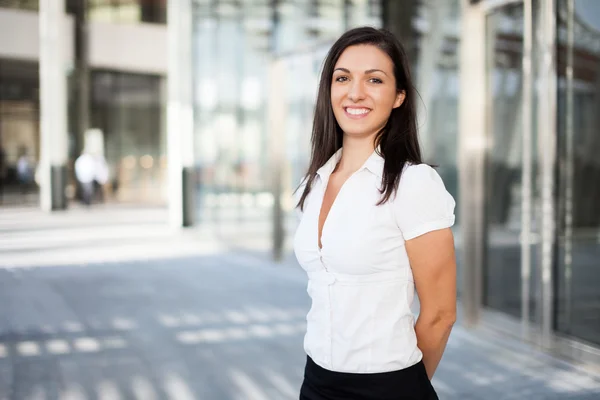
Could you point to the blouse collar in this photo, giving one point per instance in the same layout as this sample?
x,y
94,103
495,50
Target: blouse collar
x,y
374,164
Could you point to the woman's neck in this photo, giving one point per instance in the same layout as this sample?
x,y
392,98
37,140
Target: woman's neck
x,y
355,151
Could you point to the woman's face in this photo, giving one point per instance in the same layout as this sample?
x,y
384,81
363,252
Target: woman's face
x,y
363,90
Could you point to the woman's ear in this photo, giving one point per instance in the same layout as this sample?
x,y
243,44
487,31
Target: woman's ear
x,y
400,98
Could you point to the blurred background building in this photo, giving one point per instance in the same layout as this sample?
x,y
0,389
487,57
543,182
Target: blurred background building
x,y
205,106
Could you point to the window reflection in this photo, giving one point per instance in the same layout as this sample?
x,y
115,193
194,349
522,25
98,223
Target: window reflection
x,y
435,66
502,265
128,110
234,43
578,307
233,48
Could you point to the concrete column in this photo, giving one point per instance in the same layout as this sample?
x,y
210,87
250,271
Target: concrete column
x,y
53,106
180,116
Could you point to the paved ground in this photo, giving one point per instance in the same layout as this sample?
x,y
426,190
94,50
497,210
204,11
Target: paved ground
x,y
109,304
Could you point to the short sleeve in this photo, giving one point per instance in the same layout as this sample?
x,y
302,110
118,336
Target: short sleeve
x,y
422,203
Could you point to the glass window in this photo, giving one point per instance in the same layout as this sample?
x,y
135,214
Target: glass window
x,y
128,110
32,5
429,35
578,272
435,68
128,11
502,262
234,44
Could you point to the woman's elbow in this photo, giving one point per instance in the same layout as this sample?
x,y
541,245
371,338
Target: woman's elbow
x,y
445,319
449,319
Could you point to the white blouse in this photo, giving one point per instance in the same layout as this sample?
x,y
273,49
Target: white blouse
x,y
360,282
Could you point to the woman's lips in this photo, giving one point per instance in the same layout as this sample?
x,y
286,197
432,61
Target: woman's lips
x,y
356,112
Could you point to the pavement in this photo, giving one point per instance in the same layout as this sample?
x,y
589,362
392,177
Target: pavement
x,y
109,303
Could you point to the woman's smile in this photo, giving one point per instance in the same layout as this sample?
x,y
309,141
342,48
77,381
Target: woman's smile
x,y
354,112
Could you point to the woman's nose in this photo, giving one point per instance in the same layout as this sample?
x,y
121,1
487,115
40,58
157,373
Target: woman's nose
x,y
356,91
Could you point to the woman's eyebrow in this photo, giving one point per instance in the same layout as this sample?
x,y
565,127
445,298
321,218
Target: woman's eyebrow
x,y
369,71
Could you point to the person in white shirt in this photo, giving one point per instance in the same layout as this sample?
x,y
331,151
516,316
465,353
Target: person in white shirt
x,y
90,169
374,227
85,172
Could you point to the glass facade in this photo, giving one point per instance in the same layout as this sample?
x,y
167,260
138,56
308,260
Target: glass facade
x,y
435,53
541,241
237,44
502,266
578,190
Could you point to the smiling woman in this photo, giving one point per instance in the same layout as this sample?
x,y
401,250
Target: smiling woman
x,y
371,213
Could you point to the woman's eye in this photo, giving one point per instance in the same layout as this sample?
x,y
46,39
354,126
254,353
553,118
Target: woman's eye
x,y
376,80
341,79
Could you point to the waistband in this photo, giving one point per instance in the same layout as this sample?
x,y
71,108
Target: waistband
x,y
411,382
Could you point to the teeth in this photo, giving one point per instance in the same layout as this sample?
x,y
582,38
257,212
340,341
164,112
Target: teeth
x,y
357,111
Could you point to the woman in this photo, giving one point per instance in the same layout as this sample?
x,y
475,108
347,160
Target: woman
x,y
375,225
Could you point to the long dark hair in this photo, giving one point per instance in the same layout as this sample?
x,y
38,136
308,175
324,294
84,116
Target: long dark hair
x,y
398,140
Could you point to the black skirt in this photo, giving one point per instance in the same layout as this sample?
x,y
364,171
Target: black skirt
x,y
410,383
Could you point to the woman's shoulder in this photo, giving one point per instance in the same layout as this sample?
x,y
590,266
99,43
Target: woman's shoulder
x,y
420,184
419,174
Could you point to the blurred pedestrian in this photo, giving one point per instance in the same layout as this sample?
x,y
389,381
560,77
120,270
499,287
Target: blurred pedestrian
x,y
85,172
24,172
374,226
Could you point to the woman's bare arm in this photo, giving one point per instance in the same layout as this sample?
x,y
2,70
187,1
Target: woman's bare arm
x,y
433,263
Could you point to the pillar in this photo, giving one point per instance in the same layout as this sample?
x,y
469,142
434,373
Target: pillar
x,y
180,116
53,105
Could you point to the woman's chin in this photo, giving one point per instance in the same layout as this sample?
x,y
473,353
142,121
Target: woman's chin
x,y
359,134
